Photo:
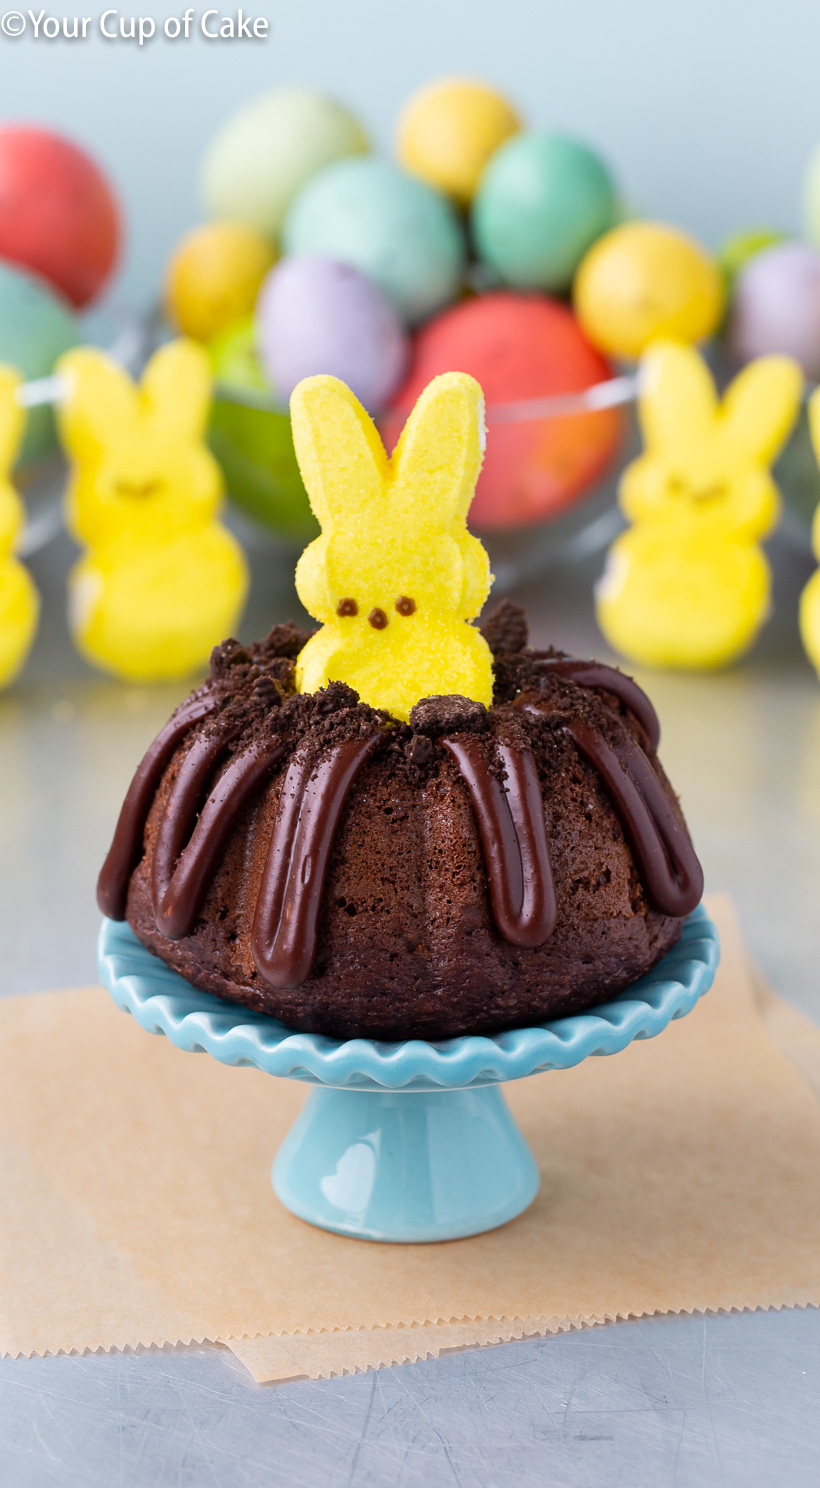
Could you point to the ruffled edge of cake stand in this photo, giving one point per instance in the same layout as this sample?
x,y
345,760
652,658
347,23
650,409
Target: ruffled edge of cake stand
x,y
162,1002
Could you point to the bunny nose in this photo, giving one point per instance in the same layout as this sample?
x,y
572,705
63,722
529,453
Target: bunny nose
x,y
377,619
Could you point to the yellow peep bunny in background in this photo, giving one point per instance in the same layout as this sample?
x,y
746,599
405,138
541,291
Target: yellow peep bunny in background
x,y
687,585
162,581
810,598
19,601
395,575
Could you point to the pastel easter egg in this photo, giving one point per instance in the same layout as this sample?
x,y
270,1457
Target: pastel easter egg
x,y
235,360
58,214
543,200
776,307
316,315
214,277
520,348
266,152
737,250
449,130
36,327
646,280
397,230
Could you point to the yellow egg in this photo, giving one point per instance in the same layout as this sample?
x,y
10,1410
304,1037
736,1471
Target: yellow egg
x,y
214,277
643,281
449,130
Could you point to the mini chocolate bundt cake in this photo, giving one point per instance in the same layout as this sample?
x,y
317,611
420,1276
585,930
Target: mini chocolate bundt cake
x,y
478,869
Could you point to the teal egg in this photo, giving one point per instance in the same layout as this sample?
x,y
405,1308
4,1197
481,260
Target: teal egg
x,y
397,230
542,202
36,327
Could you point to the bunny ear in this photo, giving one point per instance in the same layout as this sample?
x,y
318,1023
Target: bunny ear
x,y
340,454
12,418
438,457
100,403
761,405
176,388
676,397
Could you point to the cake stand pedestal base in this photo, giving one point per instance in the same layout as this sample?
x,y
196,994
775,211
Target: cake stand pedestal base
x,y
404,1141
409,1166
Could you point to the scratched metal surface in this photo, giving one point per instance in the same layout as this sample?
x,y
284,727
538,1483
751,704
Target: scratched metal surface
x,y
665,1401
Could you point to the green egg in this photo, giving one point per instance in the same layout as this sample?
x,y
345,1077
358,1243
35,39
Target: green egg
x,y
252,439
542,202
264,154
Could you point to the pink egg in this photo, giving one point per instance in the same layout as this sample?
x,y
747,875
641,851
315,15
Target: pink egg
x,y
776,307
315,315
521,348
59,217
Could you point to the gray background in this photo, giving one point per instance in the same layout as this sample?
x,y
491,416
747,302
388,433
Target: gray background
x,y
708,110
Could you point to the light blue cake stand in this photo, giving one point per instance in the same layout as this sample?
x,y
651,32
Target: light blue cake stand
x,y
405,1141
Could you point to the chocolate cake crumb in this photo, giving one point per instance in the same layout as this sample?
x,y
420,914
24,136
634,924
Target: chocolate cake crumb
x,y
334,697
419,751
448,714
282,640
505,630
226,655
268,690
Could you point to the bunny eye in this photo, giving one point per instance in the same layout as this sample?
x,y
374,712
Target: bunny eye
x,y
377,619
347,607
405,605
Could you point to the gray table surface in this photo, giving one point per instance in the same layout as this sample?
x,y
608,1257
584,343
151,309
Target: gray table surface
x,y
729,1400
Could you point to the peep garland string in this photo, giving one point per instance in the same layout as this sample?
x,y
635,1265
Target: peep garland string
x,y
697,524
687,585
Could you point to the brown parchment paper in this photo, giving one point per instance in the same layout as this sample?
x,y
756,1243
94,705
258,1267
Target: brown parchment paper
x,y
137,1207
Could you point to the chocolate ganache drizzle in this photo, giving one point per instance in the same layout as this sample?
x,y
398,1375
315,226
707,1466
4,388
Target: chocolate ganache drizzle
x,y
283,938
126,848
510,819
665,856
503,788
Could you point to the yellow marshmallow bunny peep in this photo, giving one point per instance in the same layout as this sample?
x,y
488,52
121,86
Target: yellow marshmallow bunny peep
x,y
162,580
810,598
19,601
395,575
687,585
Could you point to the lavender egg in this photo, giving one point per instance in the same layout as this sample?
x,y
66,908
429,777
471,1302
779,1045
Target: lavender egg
x,y
315,315
776,307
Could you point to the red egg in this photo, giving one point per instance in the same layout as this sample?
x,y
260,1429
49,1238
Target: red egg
x,y
58,215
519,347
